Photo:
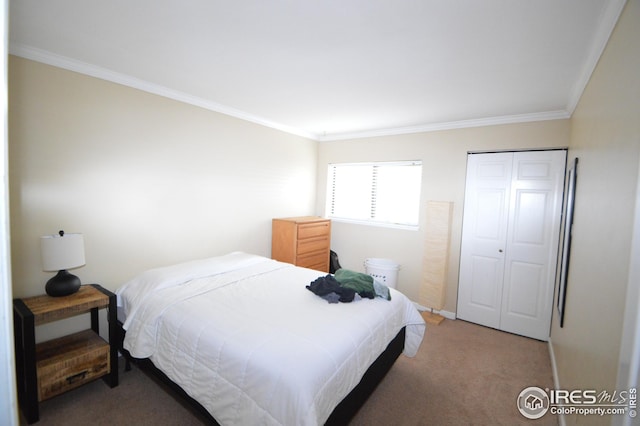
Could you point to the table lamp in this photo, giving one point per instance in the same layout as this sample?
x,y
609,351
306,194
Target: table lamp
x,y
59,253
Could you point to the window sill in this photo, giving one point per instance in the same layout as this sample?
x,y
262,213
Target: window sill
x,y
376,224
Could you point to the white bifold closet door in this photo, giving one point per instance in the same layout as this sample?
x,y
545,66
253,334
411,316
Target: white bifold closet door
x,y
510,236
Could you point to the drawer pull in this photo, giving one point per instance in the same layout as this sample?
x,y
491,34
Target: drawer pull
x,y
76,377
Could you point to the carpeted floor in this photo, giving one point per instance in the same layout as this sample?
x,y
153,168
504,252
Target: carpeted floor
x,y
464,374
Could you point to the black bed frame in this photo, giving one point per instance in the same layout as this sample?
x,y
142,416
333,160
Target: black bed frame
x,y
341,415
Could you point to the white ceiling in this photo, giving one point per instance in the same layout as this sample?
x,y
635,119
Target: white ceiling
x,y
332,69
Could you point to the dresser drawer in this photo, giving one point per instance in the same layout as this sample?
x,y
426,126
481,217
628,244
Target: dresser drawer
x,y
311,230
70,361
309,245
317,260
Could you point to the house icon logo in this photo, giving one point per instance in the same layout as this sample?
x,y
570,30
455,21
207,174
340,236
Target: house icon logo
x,y
533,402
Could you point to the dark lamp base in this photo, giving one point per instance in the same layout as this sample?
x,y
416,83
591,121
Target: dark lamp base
x,y
62,284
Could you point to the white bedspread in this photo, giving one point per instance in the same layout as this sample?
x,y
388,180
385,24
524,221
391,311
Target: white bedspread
x,y
243,336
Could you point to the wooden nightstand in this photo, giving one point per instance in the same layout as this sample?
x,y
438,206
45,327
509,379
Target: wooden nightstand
x,y
56,366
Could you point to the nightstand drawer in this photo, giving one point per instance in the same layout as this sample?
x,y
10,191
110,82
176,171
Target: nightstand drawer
x,y
69,362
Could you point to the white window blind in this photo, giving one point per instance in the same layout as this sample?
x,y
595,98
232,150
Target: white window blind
x,y
381,193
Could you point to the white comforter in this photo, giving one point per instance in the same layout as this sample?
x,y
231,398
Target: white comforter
x,y
243,336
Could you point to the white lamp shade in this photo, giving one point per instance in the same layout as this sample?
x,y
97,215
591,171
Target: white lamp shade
x,y
62,252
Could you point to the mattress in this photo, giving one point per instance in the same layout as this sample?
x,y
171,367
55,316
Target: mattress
x,y
242,335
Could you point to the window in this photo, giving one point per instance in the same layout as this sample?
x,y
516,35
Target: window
x,y
376,193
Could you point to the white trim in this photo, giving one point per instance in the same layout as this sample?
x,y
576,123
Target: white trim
x,y
446,314
374,223
451,125
556,380
608,21
70,64
629,361
8,395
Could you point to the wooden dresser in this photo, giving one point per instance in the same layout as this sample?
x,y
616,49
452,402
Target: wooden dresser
x,y
304,241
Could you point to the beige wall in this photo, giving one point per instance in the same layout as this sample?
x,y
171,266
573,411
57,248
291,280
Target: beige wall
x,y
149,181
606,139
444,158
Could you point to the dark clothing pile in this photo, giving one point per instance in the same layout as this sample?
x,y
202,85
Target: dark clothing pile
x,y
345,284
330,289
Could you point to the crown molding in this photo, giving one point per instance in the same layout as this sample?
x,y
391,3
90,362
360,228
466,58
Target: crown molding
x,y
608,20
462,124
70,64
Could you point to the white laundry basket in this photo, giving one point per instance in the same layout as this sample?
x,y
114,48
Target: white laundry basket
x,y
383,270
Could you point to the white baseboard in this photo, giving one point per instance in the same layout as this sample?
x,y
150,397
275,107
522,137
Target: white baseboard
x,y
556,380
446,314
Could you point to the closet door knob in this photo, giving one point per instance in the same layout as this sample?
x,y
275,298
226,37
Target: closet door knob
x,y
499,250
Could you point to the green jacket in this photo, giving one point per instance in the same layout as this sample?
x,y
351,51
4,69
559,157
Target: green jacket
x,y
362,284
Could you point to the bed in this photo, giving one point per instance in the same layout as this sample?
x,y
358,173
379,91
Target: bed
x,y
242,336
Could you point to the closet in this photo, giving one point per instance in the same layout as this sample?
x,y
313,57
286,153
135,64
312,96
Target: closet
x,y
510,236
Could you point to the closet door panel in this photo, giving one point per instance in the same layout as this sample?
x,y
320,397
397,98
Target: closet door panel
x,y
486,212
532,242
